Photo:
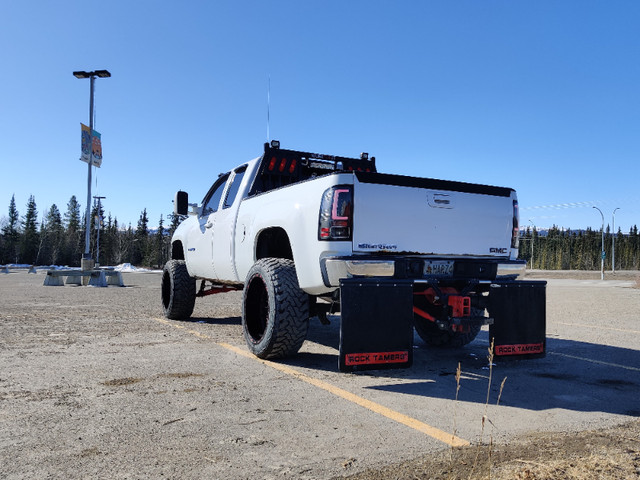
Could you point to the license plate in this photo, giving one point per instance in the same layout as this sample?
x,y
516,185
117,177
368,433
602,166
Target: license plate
x,y
443,268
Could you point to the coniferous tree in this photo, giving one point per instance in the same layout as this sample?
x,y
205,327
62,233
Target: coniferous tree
x,y
141,244
159,247
107,241
3,223
175,221
72,215
29,242
73,237
11,234
126,241
51,238
114,235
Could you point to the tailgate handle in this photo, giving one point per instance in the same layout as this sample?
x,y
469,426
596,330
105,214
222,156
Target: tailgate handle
x,y
440,200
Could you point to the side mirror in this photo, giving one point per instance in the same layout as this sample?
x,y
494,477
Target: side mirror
x,y
181,203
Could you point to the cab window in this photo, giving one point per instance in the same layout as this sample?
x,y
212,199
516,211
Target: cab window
x,y
212,200
234,187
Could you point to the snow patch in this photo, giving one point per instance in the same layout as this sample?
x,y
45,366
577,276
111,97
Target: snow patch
x,y
126,267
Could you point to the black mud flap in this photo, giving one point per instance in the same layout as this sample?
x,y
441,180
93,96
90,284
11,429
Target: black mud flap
x,y
519,312
376,328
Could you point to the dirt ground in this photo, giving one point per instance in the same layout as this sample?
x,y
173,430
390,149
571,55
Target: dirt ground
x,y
612,453
95,384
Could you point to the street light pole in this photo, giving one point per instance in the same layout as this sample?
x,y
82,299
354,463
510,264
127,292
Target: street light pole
x,y
602,253
86,262
613,242
98,225
534,227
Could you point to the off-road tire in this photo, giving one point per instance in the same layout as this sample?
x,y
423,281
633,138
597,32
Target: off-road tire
x,y
178,291
275,311
434,337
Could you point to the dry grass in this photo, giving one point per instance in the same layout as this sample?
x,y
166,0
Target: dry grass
x,y
596,465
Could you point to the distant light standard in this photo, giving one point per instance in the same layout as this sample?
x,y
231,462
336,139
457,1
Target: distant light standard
x,y
86,258
98,224
602,253
534,227
613,242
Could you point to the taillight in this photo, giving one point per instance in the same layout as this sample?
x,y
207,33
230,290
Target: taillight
x,y
272,163
515,233
336,214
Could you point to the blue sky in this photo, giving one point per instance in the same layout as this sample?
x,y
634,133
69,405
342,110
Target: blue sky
x,y
540,96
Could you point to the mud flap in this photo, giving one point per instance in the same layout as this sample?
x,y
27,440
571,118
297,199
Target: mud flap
x,y
376,328
519,312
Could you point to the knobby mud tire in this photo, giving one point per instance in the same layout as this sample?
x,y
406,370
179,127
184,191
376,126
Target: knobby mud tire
x,y
434,337
178,291
275,311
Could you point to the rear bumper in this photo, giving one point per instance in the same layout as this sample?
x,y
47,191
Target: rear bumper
x,y
336,268
511,268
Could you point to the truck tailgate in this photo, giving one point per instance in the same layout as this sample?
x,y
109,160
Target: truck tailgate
x,y
399,214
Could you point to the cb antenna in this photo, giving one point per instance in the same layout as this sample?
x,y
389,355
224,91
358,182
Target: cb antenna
x,y
268,108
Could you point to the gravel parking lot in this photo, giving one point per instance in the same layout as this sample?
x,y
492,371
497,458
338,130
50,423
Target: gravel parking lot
x,y
94,382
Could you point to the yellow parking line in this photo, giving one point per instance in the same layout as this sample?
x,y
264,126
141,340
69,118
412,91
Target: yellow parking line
x,y
447,438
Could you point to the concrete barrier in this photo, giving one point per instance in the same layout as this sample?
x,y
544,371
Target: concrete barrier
x,y
97,278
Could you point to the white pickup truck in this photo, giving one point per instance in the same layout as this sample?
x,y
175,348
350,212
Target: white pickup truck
x,y
288,226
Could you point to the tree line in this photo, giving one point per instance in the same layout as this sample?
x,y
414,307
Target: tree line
x,y
59,239
562,249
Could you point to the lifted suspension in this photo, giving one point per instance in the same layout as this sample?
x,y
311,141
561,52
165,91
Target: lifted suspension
x,y
213,289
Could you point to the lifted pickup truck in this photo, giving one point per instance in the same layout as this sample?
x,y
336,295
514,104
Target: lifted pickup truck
x,y
295,229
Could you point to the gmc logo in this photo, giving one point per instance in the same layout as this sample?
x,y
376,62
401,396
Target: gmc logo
x,y
497,250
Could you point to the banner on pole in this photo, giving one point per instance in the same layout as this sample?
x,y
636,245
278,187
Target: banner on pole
x,y
91,146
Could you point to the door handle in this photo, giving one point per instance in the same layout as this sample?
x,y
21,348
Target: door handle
x,y
208,225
